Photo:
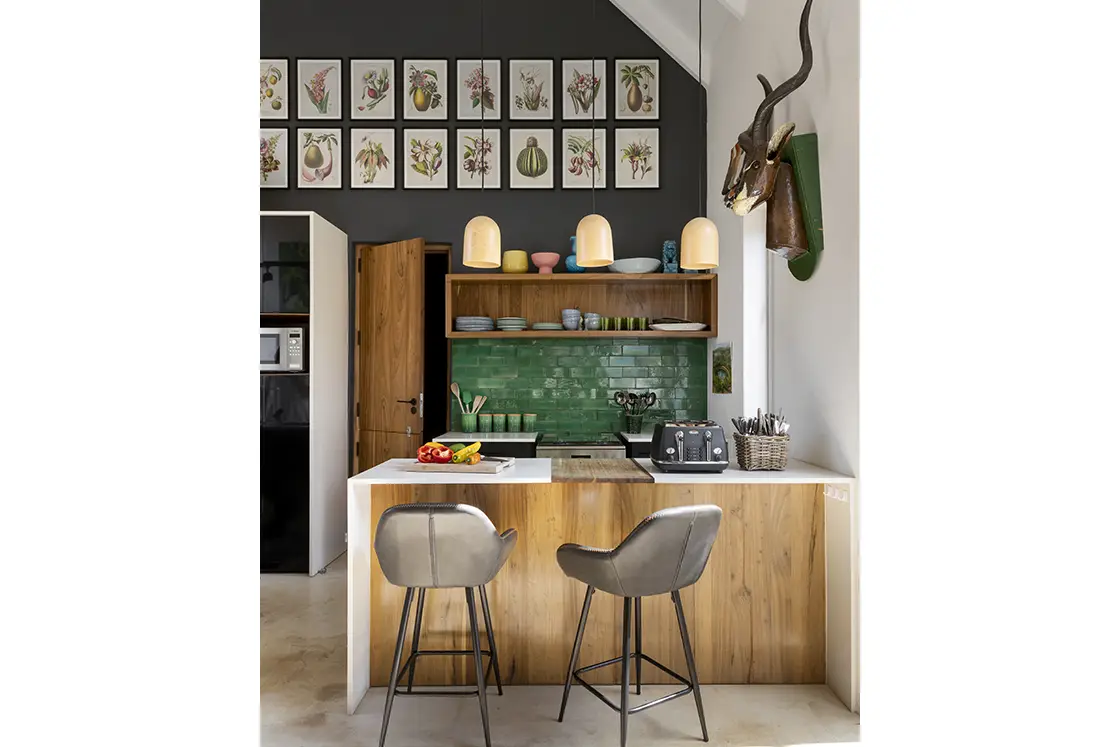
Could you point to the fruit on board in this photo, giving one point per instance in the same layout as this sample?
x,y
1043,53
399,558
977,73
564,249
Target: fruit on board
x,y
313,158
532,161
464,453
441,455
434,452
424,454
474,458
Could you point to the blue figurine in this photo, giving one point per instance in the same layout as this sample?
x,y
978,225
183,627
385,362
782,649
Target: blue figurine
x,y
570,260
669,256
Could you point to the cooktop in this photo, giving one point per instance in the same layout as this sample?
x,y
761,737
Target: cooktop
x,y
562,442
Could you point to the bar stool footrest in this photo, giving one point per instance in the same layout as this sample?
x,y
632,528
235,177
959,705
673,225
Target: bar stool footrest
x,y
636,709
439,693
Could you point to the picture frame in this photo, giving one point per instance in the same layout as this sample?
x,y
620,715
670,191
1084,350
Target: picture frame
x,y
274,158
320,158
424,89
319,89
531,159
577,89
576,164
468,89
531,93
636,88
373,158
274,89
637,158
467,158
373,89
426,158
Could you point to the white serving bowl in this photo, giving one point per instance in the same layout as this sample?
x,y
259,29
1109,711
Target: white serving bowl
x,y
635,265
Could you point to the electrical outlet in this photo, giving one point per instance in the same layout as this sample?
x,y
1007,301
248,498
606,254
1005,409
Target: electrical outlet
x,y
836,492
345,537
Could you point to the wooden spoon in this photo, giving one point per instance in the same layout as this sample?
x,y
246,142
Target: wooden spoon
x,y
455,391
477,403
482,402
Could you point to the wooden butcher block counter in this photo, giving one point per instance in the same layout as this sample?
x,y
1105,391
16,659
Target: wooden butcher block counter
x,y
598,470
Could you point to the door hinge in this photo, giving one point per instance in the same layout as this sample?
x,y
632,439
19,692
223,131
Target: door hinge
x,y
359,337
357,448
359,264
358,410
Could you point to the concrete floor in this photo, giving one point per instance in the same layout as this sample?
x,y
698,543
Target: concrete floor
x,y
303,696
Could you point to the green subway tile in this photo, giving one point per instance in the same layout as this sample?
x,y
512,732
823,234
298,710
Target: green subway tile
x,y
649,360
636,371
622,382
647,382
635,350
622,360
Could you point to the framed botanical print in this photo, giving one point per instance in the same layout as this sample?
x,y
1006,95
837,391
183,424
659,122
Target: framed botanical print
x,y
637,162
274,159
373,160
274,89
583,158
531,164
320,158
584,89
373,89
478,155
424,90
530,89
636,89
319,89
425,159
479,89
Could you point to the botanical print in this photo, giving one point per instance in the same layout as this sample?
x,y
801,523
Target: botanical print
x,y
274,89
425,160
478,153
584,158
372,95
274,159
317,166
530,88
721,368
530,159
425,84
636,89
320,84
480,89
583,90
372,159
639,158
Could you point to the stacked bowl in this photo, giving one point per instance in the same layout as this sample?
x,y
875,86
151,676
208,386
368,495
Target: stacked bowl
x,y
571,319
474,324
512,323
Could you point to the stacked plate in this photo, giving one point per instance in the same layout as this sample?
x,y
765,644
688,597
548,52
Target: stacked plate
x,y
474,324
512,323
548,326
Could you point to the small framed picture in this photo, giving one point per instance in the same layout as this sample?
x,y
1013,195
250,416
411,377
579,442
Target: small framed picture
x,y
478,154
530,89
424,90
583,158
426,159
320,158
479,89
636,89
319,89
373,159
584,90
530,159
274,89
373,91
274,159
637,162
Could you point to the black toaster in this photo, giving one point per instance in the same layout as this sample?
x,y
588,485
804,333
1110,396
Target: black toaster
x,y
689,446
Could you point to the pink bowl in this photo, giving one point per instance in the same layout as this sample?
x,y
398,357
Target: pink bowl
x,y
545,261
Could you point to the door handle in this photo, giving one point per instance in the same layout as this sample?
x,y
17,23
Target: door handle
x,y
408,401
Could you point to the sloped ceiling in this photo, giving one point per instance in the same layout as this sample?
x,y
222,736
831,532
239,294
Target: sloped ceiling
x,y
673,25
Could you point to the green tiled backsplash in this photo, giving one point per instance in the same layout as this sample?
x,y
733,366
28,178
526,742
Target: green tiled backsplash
x,y
570,384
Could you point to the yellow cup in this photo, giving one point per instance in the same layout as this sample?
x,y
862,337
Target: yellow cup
x,y
515,260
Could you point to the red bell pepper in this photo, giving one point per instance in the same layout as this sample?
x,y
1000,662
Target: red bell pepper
x,y
441,454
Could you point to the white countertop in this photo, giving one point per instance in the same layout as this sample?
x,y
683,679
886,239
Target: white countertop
x,y
451,437
392,472
637,437
795,472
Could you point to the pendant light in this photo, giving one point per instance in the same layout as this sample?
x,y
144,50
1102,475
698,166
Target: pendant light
x,y
594,242
482,239
700,238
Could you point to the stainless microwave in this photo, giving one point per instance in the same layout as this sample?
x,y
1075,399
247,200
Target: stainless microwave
x,y
281,348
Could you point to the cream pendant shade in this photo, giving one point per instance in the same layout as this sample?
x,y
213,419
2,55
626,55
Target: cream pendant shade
x,y
482,243
700,245
594,242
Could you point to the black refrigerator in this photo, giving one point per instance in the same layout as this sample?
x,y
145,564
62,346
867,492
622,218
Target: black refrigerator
x,y
285,473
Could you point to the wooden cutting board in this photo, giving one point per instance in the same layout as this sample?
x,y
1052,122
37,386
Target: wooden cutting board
x,y
488,466
598,470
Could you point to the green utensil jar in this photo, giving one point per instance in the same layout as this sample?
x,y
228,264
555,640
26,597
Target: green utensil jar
x,y
513,422
468,422
499,423
485,422
529,422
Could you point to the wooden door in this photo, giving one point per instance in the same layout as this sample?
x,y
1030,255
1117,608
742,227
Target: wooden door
x,y
389,351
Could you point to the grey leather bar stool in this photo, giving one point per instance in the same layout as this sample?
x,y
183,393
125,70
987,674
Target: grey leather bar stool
x,y
666,552
439,546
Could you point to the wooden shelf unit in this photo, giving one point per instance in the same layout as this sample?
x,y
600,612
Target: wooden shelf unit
x,y
540,298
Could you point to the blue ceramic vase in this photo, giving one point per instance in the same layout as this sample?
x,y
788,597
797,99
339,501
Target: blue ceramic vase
x,y
669,256
570,260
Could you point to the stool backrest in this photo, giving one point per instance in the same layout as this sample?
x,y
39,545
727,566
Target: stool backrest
x,y
434,545
668,550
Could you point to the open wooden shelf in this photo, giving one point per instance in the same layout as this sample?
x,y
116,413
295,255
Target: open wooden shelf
x,y
540,298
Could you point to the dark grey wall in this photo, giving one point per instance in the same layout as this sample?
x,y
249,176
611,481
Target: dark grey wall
x,y
535,220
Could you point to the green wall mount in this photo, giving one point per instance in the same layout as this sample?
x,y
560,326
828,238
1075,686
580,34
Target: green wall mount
x,y
801,153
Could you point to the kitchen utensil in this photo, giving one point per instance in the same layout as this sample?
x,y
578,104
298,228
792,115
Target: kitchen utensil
x,y
515,261
466,397
545,261
513,422
620,398
468,422
634,423
485,422
482,402
529,422
635,265
455,391
475,403
499,423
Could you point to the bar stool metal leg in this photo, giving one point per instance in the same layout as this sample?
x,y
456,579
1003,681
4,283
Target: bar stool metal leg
x,y
397,666
691,663
575,650
416,638
625,705
479,675
638,643
490,638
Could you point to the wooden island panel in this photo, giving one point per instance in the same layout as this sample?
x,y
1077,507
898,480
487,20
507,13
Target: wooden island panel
x,y
756,616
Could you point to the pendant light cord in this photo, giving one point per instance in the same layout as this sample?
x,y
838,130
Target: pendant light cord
x,y
700,99
482,71
594,96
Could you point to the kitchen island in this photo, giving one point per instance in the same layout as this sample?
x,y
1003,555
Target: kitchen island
x,y
756,616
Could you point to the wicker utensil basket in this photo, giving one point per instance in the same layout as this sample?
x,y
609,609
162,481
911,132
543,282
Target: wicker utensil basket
x,y
761,452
